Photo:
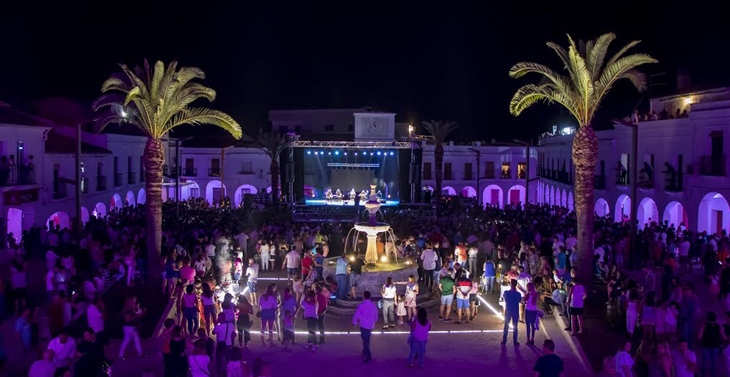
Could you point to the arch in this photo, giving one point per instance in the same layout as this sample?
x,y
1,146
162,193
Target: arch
x,y
469,192
675,213
714,214
450,190
647,212
142,196
564,199
116,202
130,199
493,195
571,201
190,190
215,191
623,208
84,215
241,191
546,195
99,210
15,222
57,219
601,208
516,194
554,196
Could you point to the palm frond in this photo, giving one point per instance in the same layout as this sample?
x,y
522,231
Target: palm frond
x,y
530,94
622,52
618,69
581,78
439,129
200,115
596,54
273,144
561,52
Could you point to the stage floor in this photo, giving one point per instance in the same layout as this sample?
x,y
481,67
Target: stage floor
x,y
322,202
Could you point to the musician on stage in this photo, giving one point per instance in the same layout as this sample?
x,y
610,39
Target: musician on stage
x,y
338,194
328,194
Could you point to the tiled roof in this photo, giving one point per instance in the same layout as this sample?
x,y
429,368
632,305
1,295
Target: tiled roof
x,y
61,144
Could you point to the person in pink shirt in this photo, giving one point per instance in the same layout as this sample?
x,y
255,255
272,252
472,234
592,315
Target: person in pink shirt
x,y
187,273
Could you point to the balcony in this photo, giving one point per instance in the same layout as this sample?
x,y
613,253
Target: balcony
x,y
117,179
17,176
214,172
522,174
189,171
506,174
714,166
59,189
622,177
646,180
600,183
101,183
564,177
131,178
489,174
672,181
448,176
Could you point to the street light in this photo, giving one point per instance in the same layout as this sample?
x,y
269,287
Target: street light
x,y
527,146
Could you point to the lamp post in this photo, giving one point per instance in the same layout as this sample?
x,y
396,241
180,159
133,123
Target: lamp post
x,y
178,173
528,146
632,177
479,163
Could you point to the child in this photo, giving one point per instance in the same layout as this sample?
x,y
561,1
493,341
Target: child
x,y
288,326
238,270
400,308
298,287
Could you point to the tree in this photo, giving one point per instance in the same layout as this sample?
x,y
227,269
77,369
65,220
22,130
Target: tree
x,y
439,130
157,100
273,145
585,82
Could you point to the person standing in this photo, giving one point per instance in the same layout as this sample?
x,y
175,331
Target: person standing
x,y
366,315
549,364
448,290
252,276
420,326
341,276
355,269
429,258
292,260
531,298
132,321
576,297
309,309
388,293
512,299
322,303
712,337
685,361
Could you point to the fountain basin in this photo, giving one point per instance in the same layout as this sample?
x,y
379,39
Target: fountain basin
x,y
372,229
373,277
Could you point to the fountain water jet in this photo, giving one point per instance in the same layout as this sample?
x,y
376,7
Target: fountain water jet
x,y
372,227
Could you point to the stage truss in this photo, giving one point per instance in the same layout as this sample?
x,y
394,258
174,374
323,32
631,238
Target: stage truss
x,y
353,144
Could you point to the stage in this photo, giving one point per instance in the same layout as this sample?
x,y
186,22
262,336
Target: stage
x,y
342,203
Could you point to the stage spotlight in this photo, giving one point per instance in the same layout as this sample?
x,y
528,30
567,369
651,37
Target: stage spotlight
x,y
378,153
329,153
391,153
309,152
345,153
337,153
355,153
371,153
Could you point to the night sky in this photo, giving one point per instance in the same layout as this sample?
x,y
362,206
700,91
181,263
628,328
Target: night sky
x,y
419,60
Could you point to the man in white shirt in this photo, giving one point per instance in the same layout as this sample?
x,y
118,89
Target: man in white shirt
x,y
242,240
252,276
366,316
292,260
210,250
429,258
64,349
43,367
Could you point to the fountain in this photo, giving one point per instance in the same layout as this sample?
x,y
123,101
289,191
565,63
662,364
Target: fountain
x,y
376,268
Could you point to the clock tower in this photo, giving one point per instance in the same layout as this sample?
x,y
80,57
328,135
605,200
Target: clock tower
x,y
374,126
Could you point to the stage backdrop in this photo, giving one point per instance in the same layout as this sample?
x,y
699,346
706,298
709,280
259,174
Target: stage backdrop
x,y
347,179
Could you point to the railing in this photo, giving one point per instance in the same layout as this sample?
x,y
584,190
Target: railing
x,y
117,179
522,174
16,176
622,177
189,171
600,183
672,183
506,174
713,166
131,178
101,183
564,177
214,172
645,179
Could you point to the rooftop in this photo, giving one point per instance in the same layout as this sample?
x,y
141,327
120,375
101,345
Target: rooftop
x,y
61,144
9,115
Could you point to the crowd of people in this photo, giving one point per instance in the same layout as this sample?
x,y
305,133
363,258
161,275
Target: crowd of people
x,y
213,257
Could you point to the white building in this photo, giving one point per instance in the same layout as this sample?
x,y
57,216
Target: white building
x,y
682,162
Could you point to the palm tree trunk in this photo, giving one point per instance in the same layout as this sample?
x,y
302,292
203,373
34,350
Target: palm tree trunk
x,y
438,155
154,158
585,156
274,168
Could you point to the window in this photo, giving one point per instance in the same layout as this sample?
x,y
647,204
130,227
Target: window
x,y
468,176
329,128
489,170
522,170
448,173
283,129
116,165
427,170
506,173
246,167
129,164
215,167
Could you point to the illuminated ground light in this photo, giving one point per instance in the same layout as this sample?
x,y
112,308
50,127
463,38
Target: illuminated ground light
x,y
492,309
357,332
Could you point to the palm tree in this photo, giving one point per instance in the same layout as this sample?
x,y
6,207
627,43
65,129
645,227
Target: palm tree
x,y
439,130
157,100
273,145
585,82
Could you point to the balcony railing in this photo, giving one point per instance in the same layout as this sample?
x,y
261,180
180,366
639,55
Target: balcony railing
x,y
564,177
189,171
622,177
522,174
131,178
672,182
17,176
59,189
554,175
506,173
214,172
101,183
713,166
117,179
600,183
646,180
